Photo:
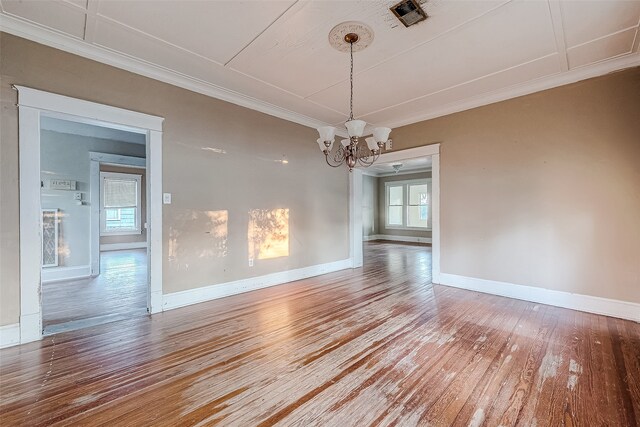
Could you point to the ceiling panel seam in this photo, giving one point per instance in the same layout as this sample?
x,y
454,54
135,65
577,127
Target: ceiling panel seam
x,y
389,58
261,32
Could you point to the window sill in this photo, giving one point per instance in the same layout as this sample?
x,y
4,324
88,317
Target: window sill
x,y
120,233
396,227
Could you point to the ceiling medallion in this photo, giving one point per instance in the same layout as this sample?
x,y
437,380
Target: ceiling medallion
x,y
337,36
352,37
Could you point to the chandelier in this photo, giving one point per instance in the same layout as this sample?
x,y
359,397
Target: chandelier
x,y
350,36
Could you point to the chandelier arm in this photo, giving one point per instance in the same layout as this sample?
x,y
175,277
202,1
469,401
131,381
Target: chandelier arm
x,y
337,159
326,157
367,157
367,161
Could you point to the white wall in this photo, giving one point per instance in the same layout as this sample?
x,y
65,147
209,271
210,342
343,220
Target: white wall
x,y
370,205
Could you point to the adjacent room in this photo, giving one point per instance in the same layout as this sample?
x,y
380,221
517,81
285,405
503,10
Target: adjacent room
x,y
94,243
320,213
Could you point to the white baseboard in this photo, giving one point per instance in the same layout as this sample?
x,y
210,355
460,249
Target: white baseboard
x,y
122,246
9,335
409,239
57,274
206,293
580,302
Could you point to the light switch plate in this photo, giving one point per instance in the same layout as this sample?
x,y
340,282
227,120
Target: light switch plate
x,y
166,198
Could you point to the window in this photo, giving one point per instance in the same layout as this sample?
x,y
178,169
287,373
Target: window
x,y
408,204
120,211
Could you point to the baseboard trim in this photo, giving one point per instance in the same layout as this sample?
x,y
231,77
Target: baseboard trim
x,y
122,246
207,293
408,239
580,302
9,335
57,274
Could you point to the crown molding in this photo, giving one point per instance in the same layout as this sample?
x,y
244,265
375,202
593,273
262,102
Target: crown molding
x,y
36,33
629,60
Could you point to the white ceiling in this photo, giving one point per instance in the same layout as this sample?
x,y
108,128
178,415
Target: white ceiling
x,y
274,56
408,166
93,131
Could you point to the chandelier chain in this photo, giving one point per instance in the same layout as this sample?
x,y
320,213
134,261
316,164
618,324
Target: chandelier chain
x,y
351,83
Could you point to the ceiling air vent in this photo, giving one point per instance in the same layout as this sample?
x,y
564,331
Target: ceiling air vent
x,y
409,12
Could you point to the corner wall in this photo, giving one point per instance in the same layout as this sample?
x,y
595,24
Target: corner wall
x,y
543,190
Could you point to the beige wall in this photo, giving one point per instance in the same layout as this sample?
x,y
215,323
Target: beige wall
x,y
130,238
204,183
543,190
382,210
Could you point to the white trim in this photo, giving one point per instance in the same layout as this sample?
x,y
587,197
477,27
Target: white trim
x,y
30,224
435,220
30,31
537,85
9,335
207,293
408,239
406,200
580,302
356,248
411,153
32,104
402,172
59,274
93,113
122,246
118,159
20,28
154,220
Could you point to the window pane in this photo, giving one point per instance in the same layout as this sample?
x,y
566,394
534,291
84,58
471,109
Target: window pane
x,y
126,220
120,193
418,194
395,195
417,216
394,215
112,214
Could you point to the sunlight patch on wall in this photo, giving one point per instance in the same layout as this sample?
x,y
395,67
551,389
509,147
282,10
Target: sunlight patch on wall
x,y
268,233
197,237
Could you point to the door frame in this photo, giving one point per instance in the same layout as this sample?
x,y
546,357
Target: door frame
x,y
355,204
34,104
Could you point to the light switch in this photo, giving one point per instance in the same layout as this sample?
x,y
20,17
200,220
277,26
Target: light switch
x,y
166,198
77,196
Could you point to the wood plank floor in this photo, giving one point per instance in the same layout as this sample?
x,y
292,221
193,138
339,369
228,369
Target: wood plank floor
x,y
373,346
118,293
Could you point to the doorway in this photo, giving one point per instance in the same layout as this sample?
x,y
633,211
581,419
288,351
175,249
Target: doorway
x,y
402,209
38,228
94,235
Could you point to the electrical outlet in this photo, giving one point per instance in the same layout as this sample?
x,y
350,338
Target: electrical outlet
x,y
166,198
250,262
77,196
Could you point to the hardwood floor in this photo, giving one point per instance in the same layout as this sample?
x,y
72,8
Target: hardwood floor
x,y
372,346
118,293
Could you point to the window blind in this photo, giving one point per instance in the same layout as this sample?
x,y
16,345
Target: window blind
x,y
120,193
